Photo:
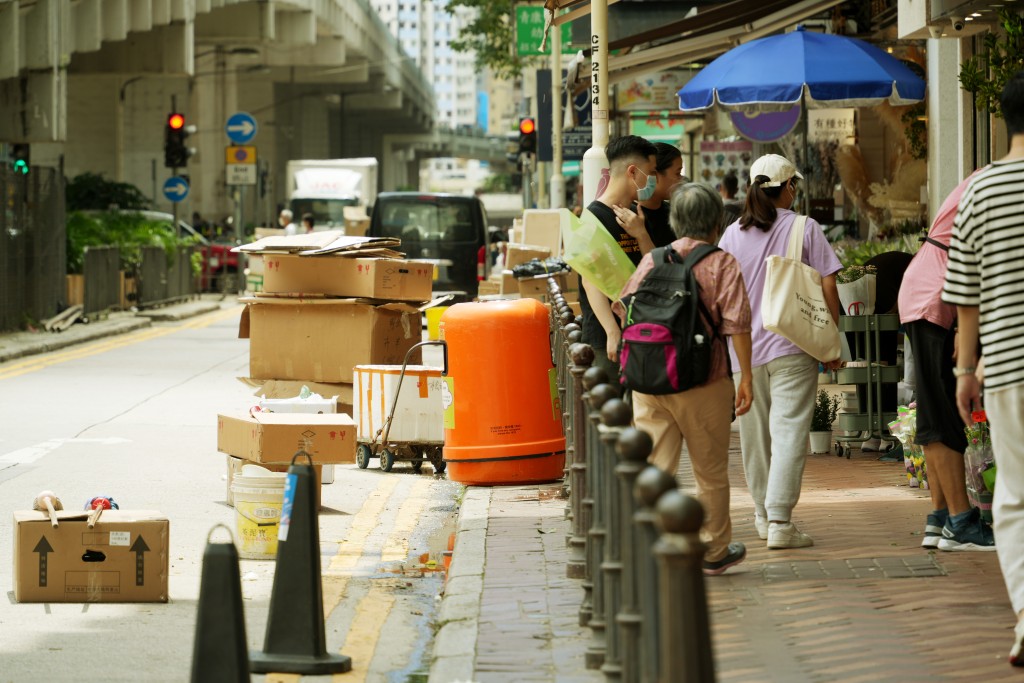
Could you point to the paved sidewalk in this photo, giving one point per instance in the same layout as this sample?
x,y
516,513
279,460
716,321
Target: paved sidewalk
x,y
866,603
20,344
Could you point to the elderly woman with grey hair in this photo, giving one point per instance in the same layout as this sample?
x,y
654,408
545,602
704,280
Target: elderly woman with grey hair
x,y
701,416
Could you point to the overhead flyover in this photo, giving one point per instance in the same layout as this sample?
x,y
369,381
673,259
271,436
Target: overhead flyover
x,y
324,78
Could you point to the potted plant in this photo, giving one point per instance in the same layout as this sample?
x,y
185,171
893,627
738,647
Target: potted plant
x,y
826,407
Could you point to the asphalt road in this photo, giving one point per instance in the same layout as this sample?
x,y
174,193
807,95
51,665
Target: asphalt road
x,y
134,417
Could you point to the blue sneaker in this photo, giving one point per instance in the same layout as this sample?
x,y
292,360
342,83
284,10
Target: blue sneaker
x,y
967,531
737,553
933,528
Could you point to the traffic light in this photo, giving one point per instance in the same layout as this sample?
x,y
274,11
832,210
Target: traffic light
x,y
20,159
527,136
176,153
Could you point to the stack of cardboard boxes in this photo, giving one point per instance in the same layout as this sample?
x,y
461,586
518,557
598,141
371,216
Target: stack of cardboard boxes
x,y
328,303
536,236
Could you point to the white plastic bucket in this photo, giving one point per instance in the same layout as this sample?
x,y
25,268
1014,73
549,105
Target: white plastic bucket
x,y
258,494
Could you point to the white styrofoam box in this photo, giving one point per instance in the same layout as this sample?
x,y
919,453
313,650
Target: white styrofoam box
x,y
313,404
419,414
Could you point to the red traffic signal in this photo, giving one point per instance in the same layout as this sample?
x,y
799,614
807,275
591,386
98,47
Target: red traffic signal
x,y
527,126
176,121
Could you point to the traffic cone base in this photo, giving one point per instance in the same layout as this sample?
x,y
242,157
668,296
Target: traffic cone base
x,y
265,662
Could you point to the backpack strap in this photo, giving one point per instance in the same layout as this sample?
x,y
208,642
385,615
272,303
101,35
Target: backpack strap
x,y
695,256
935,243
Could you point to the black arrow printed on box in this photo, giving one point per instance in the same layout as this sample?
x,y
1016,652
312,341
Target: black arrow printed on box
x,y
140,548
43,548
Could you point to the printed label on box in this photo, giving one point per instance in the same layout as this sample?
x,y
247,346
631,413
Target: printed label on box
x,y
120,538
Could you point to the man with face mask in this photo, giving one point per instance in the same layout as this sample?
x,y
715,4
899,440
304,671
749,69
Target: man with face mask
x,y
632,163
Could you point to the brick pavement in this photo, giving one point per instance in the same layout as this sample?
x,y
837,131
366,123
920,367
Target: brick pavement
x,y
866,603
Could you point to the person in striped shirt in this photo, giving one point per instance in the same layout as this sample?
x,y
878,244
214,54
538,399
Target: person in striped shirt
x,y
985,281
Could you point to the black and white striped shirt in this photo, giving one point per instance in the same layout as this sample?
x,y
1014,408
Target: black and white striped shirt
x,y
986,267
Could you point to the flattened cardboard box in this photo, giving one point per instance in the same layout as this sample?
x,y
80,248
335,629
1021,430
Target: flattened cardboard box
x,y
124,558
371,278
275,437
321,340
516,254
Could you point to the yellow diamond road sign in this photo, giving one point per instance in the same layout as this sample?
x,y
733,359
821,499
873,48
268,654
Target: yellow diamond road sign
x,y
241,164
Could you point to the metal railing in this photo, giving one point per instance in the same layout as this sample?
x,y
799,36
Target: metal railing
x,y
101,275
634,538
164,278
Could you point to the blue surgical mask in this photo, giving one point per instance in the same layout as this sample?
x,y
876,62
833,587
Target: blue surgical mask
x,y
647,191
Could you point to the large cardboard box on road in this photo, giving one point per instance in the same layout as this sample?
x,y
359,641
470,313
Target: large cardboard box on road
x,y
124,558
321,340
370,278
275,437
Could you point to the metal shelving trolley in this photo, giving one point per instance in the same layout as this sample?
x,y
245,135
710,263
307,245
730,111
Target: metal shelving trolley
x,y
872,375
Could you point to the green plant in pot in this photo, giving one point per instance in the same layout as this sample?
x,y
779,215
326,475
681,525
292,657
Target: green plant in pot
x,y
826,408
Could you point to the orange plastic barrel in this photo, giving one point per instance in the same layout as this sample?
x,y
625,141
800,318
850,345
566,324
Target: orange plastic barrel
x,y
503,416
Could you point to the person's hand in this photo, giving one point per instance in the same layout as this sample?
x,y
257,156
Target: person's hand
x,y
833,364
614,337
632,223
968,397
744,395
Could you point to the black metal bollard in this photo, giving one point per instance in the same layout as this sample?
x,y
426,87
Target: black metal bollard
x,y
684,632
615,415
651,484
582,356
565,390
594,612
633,447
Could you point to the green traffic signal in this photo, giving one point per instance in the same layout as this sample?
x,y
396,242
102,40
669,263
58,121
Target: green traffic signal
x,y
20,166
20,157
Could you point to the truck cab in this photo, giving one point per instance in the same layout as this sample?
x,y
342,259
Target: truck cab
x,y
446,229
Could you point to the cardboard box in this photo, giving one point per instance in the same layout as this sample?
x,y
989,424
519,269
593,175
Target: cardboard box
x,y
279,388
235,466
320,340
509,283
124,558
538,286
488,287
516,254
369,278
276,437
543,227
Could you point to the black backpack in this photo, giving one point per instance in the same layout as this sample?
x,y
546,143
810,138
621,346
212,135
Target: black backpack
x,y
666,345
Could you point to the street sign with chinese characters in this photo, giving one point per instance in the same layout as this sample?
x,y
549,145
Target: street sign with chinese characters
x,y
831,125
530,33
241,164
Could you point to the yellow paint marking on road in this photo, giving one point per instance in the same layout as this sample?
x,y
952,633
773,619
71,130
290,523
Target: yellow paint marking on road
x,y
46,360
335,576
367,625
396,547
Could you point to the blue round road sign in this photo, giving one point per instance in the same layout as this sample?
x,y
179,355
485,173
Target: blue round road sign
x,y
176,188
240,127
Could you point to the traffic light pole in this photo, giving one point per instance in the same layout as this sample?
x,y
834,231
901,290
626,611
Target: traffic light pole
x,y
557,198
527,160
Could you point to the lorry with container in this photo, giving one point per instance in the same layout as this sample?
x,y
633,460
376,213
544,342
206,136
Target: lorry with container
x,y
330,189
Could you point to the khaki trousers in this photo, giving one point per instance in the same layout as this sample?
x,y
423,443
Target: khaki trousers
x,y
702,417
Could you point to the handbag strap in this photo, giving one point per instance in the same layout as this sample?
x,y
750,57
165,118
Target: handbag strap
x,y
795,250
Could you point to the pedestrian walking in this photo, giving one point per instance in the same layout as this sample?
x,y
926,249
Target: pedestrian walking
x,y
774,433
986,283
953,523
631,177
702,415
286,222
732,207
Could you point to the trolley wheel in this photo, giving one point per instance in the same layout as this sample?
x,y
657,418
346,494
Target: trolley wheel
x,y
417,465
363,454
839,450
387,460
439,466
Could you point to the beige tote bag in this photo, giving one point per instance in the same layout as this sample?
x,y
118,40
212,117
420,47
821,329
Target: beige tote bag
x,y
793,305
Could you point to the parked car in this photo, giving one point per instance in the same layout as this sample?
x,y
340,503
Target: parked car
x,y
446,229
220,265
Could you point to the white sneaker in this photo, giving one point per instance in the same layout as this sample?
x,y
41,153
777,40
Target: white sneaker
x,y
786,535
761,524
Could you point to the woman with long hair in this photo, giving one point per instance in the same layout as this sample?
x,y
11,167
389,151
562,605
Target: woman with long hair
x,y
773,434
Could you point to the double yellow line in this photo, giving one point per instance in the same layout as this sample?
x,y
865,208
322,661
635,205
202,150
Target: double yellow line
x,y
34,363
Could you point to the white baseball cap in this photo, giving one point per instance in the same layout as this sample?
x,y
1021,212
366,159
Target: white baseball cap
x,y
779,169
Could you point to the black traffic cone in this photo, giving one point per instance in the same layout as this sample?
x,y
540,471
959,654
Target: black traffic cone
x,y
220,653
295,641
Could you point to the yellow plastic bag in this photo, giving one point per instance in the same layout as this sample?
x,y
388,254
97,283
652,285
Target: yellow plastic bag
x,y
593,253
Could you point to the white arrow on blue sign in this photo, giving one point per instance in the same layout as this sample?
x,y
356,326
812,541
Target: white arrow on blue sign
x,y
176,188
240,127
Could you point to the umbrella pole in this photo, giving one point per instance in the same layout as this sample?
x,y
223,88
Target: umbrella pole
x,y
807,158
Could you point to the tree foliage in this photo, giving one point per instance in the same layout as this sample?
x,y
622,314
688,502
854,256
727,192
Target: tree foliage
x,y
491,35
91,191
1002,56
